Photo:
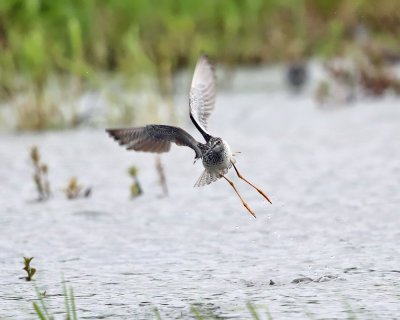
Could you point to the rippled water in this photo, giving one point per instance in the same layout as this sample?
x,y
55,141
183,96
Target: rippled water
x,y
333,177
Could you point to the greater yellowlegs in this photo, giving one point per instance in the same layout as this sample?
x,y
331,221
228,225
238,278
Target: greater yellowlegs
x,y
215,153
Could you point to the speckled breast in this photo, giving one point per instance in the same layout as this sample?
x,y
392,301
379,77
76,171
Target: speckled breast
x,y
217,160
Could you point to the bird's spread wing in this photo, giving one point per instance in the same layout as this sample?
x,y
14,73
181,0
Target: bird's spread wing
x,y
202,95
154,138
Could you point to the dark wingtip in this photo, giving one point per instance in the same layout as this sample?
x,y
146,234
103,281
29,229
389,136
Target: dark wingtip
x,y
109,131
114,134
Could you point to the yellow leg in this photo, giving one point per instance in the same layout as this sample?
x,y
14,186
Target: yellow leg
x,y
244,203
259,190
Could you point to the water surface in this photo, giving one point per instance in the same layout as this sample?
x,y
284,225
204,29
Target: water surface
x,y
333,177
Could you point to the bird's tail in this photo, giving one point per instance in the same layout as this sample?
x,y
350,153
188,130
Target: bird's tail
x,y
206,178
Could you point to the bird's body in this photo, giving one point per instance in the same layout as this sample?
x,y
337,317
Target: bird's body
x,y
217,160
216,154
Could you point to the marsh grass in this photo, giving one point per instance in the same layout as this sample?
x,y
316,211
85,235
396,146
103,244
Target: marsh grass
x,y
41,40
136,188
366,71
48,105
161,175
29,270
40,175
199,312
75,190
43,311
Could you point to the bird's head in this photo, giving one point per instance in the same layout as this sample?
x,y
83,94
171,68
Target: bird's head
x,y
216,144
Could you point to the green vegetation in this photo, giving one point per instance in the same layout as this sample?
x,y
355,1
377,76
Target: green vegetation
x,y
40,176
30,271
74,190
161,174
197,311
42,310
370,74
69,44
136,189
43,313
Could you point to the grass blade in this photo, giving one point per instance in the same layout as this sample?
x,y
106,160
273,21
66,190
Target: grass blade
x,y
72,298
66,300
196,313
252,311
269,316
42,303
38,311
158,316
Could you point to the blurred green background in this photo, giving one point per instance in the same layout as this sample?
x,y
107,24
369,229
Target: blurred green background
x,y
44,40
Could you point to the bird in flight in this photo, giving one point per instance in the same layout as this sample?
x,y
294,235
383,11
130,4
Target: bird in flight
x,y
216,155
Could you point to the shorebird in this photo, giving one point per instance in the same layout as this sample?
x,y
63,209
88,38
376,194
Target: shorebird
x,y
216,155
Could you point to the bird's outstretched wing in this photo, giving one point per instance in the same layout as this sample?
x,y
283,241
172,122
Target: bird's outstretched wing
x,y
202,95
154,138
